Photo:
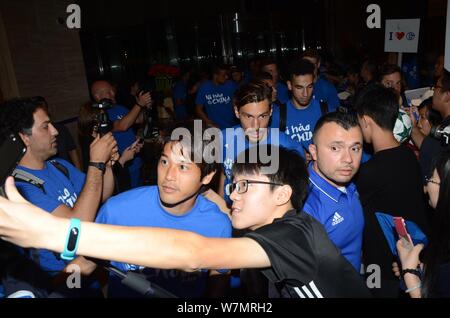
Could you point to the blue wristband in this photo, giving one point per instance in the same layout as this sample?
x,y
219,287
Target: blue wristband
x,y
72,239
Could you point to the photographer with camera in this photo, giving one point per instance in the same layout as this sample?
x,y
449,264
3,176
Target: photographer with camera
x,y
56,186
91,122
439,138
122,121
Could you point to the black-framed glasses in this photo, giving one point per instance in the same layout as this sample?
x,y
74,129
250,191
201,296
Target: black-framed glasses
x,y
242,186
430,180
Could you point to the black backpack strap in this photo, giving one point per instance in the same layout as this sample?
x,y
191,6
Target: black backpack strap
x,y
323,107
61,168
283,115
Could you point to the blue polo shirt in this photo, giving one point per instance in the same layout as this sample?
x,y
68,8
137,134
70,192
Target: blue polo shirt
x,y
340,212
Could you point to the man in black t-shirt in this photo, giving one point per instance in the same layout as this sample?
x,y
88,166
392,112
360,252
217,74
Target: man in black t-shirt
x,y
292,249
390,182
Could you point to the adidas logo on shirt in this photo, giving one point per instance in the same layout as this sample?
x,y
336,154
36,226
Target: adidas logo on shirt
x,y
337,219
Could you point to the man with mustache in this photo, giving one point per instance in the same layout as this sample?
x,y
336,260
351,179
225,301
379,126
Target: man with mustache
x,y
390,182
333,200
56,186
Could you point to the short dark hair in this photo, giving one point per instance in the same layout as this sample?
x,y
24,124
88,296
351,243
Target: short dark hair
x,y
292,170
388,69
254,91
380,104
196,149
266,62
343,117
264,76
302,67
311,53
16,115
217,68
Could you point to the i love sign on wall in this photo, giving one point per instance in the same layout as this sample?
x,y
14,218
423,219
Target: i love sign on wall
x,y
402,35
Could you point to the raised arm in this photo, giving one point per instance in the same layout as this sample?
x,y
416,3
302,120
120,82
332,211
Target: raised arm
x,y
26,225
144,100
87,203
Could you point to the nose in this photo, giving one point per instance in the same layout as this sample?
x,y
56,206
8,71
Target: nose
x,y
347,156
53,131
234,196
304,92
255,123
171,172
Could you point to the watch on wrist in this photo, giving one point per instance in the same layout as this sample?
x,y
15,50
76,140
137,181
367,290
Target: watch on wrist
x,y
99,165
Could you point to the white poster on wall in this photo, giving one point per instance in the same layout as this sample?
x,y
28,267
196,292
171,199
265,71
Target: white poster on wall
x,y
402,35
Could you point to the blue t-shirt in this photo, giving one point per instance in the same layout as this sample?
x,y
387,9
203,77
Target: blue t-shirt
x,y
282,92
217,101
340,212
234,142
324,90
125,139
179,91
58,190
142,207
300,123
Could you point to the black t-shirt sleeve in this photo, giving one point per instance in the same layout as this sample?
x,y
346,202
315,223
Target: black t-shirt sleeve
x,y
289,249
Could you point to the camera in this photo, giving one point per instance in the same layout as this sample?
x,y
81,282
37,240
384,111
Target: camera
x,y
442,132
104,124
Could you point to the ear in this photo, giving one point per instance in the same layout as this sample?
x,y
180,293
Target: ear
x,y
367,121
447,97
313,151
25,138
289,85
283,195
207,179
236,112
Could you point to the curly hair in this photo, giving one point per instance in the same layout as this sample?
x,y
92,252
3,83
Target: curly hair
x,y
16,115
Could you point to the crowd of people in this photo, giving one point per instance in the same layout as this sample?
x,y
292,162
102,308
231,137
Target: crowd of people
x,y
280,196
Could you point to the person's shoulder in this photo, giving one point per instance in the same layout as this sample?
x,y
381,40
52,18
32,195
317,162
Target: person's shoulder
x,y
324,83
205,85
133,197
297,229
209,208
62,162
118,110
282,85
315,202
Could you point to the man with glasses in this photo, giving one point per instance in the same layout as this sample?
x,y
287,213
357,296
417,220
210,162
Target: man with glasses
x,y
333,200
390,182
431,146
288,246
302,110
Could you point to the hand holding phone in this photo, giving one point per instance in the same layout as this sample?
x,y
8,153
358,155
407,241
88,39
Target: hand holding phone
x,y
400,227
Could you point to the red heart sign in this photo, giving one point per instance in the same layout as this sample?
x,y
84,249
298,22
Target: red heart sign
x,y
400,35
